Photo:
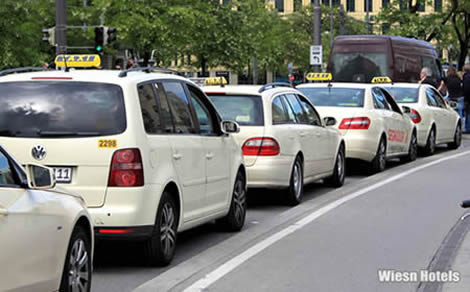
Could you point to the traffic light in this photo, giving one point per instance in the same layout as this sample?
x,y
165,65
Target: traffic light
x,y
99,39
109,35
48,35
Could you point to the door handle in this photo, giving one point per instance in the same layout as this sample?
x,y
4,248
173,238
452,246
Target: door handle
x,y
177,156
209,156
3,211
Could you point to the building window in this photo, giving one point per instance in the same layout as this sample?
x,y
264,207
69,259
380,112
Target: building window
x,y
385,3
403,5
334,2
370,5
279,5
420,6
385,28
297,5
351,5
438,5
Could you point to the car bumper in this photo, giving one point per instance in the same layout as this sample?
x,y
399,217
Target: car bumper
x,y
270,172
130,212
360,146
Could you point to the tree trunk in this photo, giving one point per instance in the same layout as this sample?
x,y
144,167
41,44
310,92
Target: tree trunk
x,y
462,55
203,66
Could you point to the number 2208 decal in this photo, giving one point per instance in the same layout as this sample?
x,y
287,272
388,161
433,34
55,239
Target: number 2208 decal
x,y
107,143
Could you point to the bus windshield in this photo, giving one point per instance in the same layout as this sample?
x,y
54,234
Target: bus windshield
x,y
358,66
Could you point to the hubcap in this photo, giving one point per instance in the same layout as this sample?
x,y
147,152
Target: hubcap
x,y
432,141
297,179
382,155
414,146
458,135
79,271
167,231
239,200
340,167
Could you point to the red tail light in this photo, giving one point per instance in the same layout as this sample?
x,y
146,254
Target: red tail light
x,y
261,146
126,169
415,117
361,123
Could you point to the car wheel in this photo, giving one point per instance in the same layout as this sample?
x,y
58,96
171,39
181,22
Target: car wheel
x,y
337,179
160,248
235,219
379,161
296,186
430,143
412,150
457,138
76,275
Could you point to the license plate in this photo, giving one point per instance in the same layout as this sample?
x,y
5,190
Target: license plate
x,y
63,174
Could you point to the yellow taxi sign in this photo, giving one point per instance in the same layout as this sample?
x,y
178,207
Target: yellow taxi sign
x,y
215,81
384,79
78,60
318,76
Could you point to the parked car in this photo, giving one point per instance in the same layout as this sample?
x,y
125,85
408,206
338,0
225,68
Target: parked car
x,y
46,232
284,140
148,151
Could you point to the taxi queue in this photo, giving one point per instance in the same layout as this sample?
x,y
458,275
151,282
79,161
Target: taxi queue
x,y
143,154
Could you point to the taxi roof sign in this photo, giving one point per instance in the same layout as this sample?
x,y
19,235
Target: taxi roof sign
x,y
318,76
215,81
78,60
383,79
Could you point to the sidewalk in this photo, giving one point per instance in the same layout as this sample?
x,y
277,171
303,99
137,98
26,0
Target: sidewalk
x,y
462,265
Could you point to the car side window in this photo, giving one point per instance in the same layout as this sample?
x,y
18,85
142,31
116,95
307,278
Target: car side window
x,y
431,98
297,108
179,105
165,112
310,112
380,102
439,100
149,109
7,177
290,112
391,102
279,112
206,125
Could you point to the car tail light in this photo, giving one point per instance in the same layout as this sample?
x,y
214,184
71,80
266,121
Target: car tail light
x,y
360,123
115,231
262,146
415,117
126,169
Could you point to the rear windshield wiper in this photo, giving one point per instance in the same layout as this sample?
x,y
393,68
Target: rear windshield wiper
x,y
65,134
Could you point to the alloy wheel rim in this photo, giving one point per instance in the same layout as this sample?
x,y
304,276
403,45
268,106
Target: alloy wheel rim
x,y
340,166
432,142
414,146
79,270
167,229
382,155
458,135
297,179
239,200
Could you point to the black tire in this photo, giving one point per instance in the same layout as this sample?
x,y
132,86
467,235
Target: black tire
x,y
337,179
380,160
296,186
430,147
77,272
160,247
235,219
412,150
457,138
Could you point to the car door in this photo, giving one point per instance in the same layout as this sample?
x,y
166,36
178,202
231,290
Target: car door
x,y
402,133
390,123
448,117
217,152
188,153
437,114
30,232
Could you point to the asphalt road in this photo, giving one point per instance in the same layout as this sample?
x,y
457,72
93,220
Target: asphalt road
x,y
399,225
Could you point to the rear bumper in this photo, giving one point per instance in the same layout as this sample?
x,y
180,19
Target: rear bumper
x,y
123,233
270,172
360,145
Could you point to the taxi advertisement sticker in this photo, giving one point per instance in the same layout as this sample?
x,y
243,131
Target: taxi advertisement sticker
x,y
318,76
78,60
107,143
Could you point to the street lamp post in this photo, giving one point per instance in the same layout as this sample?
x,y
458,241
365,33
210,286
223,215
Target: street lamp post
x,y
367,16
60,26
317,29
331,23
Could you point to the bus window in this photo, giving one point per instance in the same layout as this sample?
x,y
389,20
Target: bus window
x,y
359,66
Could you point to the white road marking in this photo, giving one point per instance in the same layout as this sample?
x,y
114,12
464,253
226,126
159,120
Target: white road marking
x,y
233,263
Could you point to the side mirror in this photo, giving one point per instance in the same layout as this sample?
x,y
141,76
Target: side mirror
x,y
40,177
465,204
453,104
229,127
406,109
329,121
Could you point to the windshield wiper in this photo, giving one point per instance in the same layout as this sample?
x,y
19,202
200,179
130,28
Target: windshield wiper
x,y
65,134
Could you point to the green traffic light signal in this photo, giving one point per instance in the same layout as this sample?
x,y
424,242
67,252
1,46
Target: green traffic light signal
x,y
99,48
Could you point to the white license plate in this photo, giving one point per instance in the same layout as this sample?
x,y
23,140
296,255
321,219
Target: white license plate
x,y
63,174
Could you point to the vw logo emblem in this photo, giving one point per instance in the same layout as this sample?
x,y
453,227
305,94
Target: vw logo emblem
x,y
39,152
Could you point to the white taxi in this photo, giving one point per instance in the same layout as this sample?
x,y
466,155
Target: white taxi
x,y
373,125
436,121
46,233
284,141
147,151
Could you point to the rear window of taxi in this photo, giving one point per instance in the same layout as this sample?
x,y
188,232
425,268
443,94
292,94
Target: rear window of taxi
x,y
59,109
246,110
336,97
403,94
